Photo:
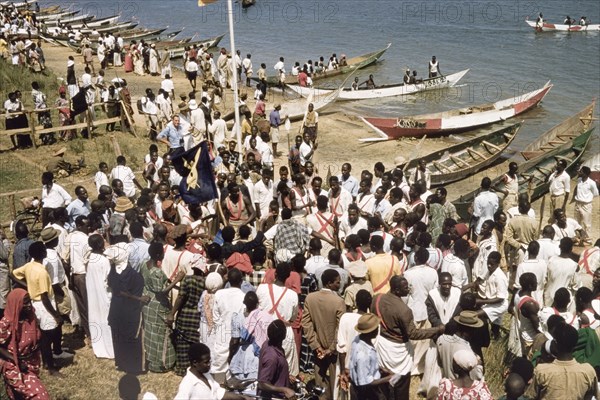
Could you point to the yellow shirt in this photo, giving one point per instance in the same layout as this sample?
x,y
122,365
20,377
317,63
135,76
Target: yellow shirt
x,y
37,279
380,270
565,380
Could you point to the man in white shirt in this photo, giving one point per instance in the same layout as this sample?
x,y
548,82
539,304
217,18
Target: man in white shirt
x,y
566,227
485,205
53,196
126,175
316,261
537,267
548,248
422,279
420,173
218,129
263,194
352,223
339,198
585,191
560,187
168,86
561,272
307,150
454,264
198,122
381,206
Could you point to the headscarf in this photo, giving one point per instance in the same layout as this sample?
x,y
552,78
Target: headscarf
x,y
213,282
465,359
12,313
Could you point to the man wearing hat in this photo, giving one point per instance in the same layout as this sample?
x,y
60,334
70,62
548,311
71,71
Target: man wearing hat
x,y
358,273
275,122
466,324
363,367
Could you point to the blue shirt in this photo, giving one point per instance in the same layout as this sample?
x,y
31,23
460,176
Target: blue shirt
x,y
173,135
350,184
75,209
363,365
244,364
138,253
275,119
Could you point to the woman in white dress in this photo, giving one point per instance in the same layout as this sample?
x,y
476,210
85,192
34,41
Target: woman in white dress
x,y
153,60
99,297
208,331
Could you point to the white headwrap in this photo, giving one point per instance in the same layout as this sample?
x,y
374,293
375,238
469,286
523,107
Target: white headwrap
x,y
465,359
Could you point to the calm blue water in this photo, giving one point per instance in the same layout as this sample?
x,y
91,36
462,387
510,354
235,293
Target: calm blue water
x,y
506,57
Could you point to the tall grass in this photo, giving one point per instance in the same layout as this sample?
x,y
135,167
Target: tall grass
x,y
15,77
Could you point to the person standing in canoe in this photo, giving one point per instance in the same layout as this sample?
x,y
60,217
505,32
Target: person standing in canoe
x,y
434,68
511,186
539,22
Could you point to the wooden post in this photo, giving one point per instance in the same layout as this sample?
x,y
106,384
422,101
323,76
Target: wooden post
x,y
11,203
115,144
129,118
32,125
89,121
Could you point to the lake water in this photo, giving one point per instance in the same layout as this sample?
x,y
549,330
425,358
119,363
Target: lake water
x,y
506,57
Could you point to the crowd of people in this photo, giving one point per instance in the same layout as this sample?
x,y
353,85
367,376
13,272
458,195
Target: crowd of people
x,y
361,282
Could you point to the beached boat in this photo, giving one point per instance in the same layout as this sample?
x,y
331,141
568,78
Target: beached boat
x,y
96,22
458,120
562,133
177,52
535,172
547,27
470,156
70,20
57,15
19,6
352,64
399,89
295,109
121,26
150,39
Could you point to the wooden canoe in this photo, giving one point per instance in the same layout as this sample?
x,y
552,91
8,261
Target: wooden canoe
x,y
562,133
70,20
177,52
399,89
547,27
535,172
96,22
462,160
57,15
353,64
458,120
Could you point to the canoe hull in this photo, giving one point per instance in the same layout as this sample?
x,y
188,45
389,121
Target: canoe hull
x,y
464,159
387,90
456,121
567,130
546,27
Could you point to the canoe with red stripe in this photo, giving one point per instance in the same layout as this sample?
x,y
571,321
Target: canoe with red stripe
x,y
455,121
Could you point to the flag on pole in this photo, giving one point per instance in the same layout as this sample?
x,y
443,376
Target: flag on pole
x,y
198,183
202,3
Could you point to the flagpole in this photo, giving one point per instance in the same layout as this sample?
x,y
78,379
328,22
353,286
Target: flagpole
x,y
234,82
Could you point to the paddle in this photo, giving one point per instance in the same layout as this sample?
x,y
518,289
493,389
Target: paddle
x,y
415,153
542,209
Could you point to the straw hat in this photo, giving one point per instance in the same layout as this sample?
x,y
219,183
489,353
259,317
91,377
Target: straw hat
x,y
123,204
60,152
178,231
367,323
469,318
358,269
49,234
192,104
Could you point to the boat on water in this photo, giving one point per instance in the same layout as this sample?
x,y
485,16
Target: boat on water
x,y
562,133
352,64
458,120
19,6
464,159
399,89
177,52
536,172
547,27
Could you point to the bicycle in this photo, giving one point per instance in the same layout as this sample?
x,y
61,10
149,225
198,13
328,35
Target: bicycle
x,y
31,216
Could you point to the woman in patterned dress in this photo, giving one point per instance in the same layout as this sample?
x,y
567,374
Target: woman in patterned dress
x,y
309,284
20,356
186,316
160,352
463,387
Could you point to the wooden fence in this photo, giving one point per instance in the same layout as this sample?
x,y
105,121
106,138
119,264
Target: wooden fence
x,y
35,130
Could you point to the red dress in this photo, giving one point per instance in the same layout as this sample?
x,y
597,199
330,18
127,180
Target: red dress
x,y
25,345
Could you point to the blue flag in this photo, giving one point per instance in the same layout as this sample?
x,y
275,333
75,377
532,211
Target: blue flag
x,y
198,183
